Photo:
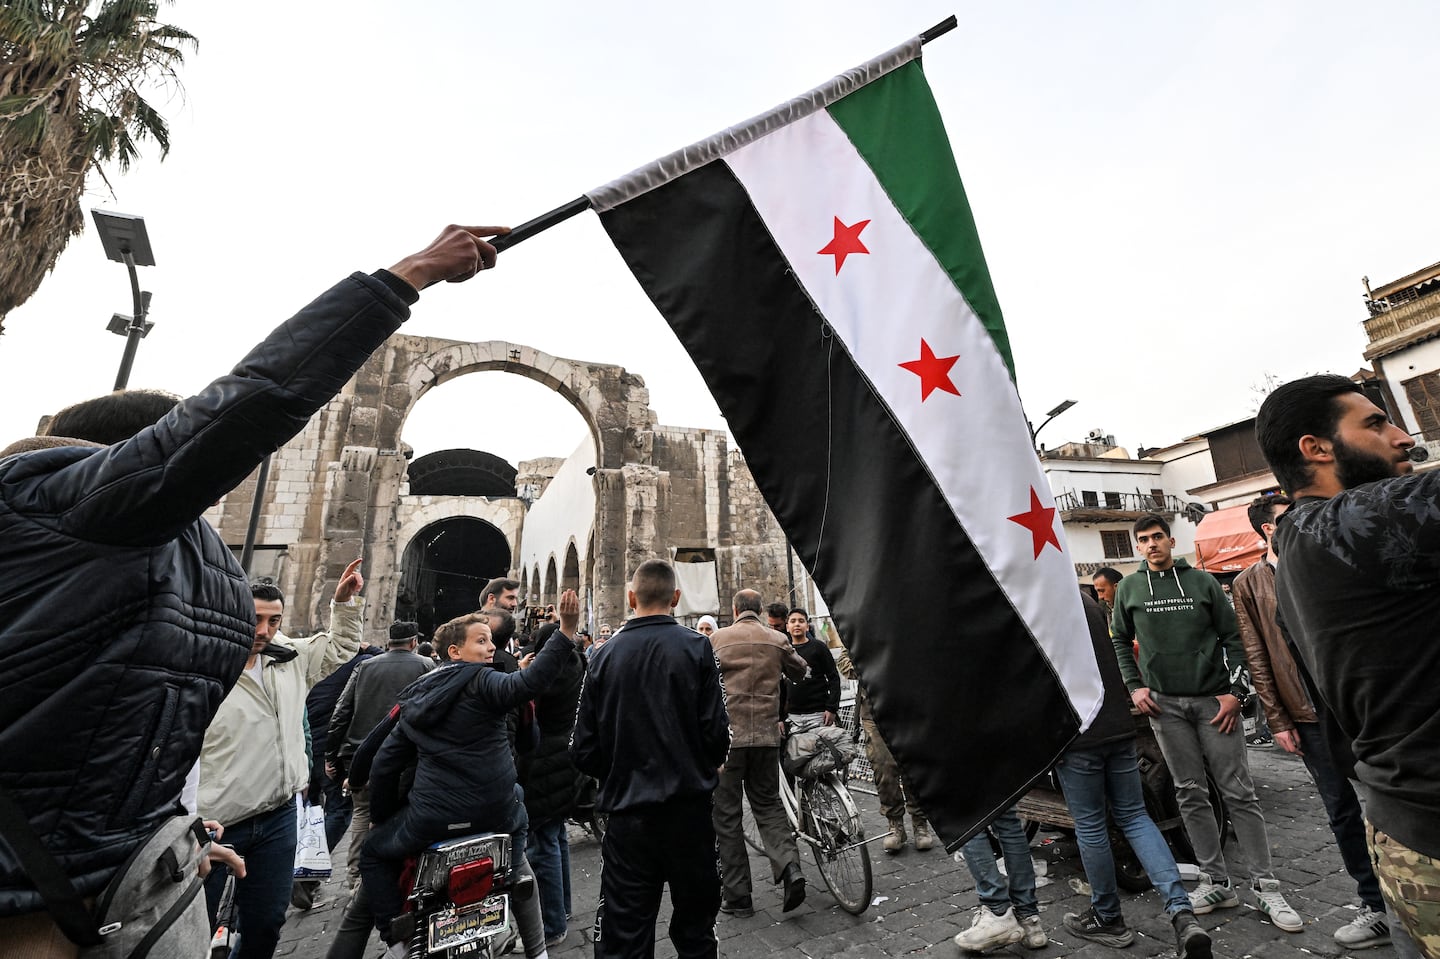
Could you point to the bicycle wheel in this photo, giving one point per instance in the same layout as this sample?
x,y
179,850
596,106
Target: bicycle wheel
x,y
840,852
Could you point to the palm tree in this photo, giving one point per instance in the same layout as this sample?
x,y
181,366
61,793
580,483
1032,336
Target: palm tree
x,y
70,79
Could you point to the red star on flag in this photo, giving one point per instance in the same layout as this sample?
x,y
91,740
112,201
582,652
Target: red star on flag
x,y
845,242
1040,521
934,371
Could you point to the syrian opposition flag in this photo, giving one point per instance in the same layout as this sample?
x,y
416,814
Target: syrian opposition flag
x,y
821,266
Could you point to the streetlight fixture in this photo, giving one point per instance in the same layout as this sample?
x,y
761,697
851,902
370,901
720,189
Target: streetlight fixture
x,y
1062,407
125,240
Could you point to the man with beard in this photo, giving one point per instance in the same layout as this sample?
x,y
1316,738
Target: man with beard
x,y
1358,591
1298,724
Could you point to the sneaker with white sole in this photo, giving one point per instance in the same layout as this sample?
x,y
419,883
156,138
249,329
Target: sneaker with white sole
x,y
1209,896
1270,902
988,931
1035,937
1368,928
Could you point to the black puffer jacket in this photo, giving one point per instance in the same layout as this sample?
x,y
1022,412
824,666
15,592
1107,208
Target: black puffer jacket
x,y
552,783
124,619
452,725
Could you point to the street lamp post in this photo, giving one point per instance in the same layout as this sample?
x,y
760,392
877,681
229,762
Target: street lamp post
x,y
125,240
1062,407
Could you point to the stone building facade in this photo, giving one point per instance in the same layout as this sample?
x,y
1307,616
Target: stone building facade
x,y
343,488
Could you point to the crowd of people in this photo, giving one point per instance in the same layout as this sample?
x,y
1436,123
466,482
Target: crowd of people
x,y
167,693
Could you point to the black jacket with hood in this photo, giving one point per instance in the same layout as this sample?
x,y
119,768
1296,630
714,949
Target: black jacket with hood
x,y
552,783
452,725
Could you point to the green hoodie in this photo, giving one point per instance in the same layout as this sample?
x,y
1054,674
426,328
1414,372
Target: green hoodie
x,y
1189,645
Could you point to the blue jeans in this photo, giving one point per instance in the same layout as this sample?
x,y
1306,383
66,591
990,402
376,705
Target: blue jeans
x,y
1342,809
992,887
1091,776
267,842
549,855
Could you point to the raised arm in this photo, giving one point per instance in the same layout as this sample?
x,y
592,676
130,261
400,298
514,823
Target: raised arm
x,y
507,690
146,489
327,651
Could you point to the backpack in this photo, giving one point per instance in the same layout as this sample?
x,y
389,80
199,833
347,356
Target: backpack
x,y
152,908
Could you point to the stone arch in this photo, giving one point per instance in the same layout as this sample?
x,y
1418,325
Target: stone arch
x,y
552,595
537,597
357,449
524,583
570,572
613,402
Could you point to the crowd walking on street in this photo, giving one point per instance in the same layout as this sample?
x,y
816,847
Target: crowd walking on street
x,y
168,695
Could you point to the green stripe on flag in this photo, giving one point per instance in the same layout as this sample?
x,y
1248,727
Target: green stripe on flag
x,y
895,125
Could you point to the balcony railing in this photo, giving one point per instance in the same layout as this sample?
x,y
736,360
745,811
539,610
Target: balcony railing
x,y
1118,505
1401,318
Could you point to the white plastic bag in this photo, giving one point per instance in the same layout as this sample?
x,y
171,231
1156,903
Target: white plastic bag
x,y
312,853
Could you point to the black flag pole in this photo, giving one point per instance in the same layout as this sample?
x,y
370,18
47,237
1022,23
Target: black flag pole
x,y
541,223
580,204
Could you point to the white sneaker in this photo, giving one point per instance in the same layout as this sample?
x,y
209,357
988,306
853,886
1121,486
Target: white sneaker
x,y
1270,902
397,950
1368,928
988,931
1035,937
1209,896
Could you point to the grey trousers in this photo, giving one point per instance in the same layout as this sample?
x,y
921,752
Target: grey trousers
x,y
359,828
1189,743
754,772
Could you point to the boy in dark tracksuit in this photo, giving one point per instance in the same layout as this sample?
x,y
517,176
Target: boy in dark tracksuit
x,y
1190,681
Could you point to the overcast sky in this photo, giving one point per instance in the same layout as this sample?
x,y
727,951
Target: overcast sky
x,y
1174,200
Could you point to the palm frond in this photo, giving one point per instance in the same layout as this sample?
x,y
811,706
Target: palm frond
x,y
70,76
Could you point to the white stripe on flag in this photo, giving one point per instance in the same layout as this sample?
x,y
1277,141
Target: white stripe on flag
x,y
881,305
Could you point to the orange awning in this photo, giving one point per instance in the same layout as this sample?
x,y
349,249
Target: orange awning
x,y
1226,543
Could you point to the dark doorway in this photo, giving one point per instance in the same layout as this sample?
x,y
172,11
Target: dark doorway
x,y
445,567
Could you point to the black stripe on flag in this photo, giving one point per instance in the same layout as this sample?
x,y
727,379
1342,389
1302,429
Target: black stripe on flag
x,y
965,699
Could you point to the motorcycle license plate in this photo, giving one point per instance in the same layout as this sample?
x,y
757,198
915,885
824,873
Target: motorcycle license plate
x,y
451,928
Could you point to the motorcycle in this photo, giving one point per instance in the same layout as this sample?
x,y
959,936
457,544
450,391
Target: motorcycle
x,y
461,894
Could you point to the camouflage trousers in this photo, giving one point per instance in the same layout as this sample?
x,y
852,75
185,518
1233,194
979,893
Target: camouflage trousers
x,y
895,800
1411,884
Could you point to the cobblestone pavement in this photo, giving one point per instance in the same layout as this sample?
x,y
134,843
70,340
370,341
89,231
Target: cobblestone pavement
x,y
922,900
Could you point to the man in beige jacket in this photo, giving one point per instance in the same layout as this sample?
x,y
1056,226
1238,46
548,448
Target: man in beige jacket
x,y
752,659
254,761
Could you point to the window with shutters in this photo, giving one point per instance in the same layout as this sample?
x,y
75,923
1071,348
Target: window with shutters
x,y
1423,392
1117,543
1112,501
1088,498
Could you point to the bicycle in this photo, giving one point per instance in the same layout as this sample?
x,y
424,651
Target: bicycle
x,y
822,812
